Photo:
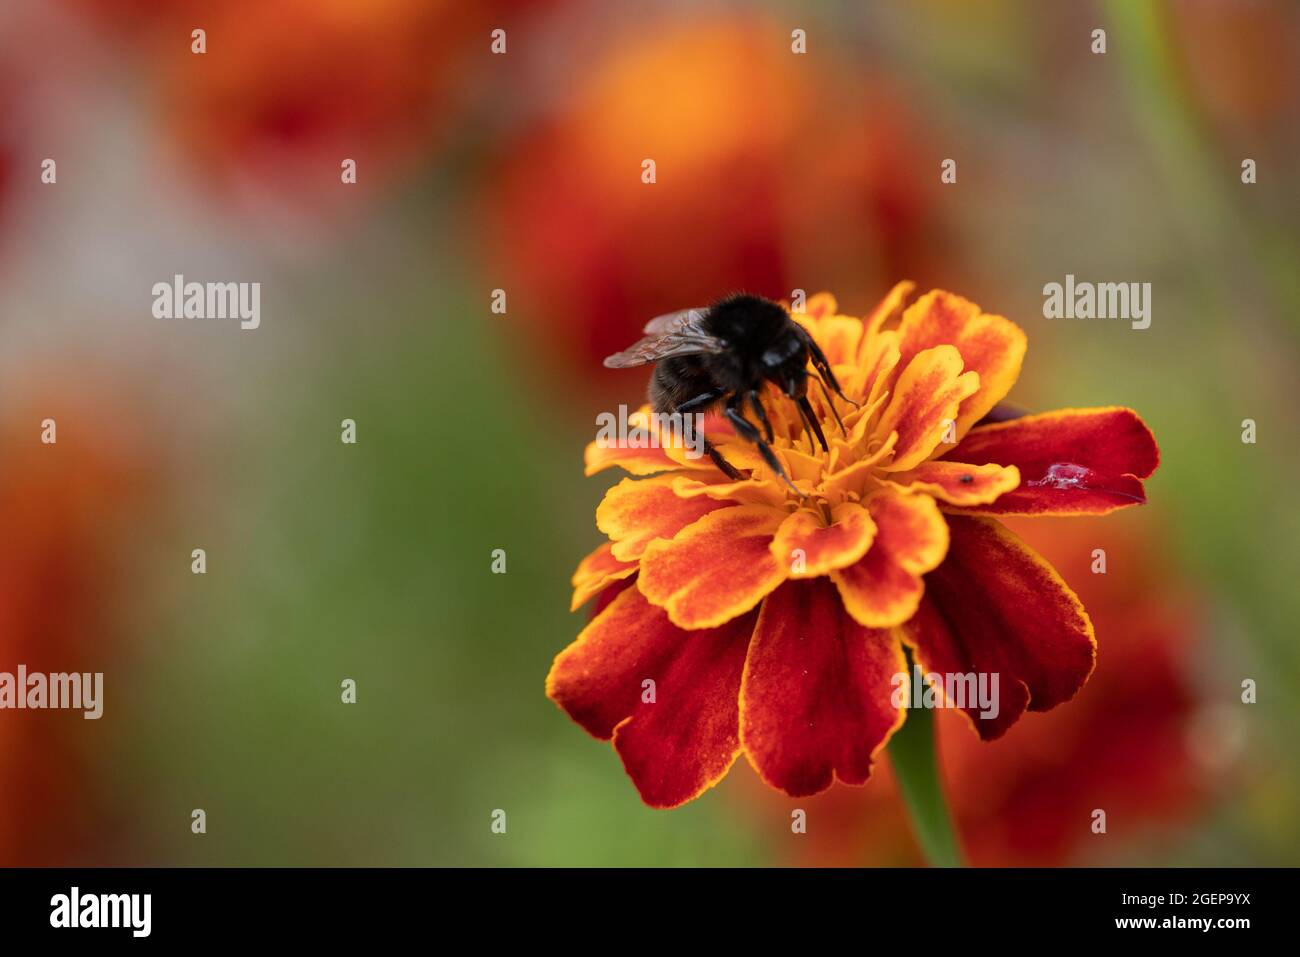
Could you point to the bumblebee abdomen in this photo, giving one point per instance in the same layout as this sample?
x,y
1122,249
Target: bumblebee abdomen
x,y
678,380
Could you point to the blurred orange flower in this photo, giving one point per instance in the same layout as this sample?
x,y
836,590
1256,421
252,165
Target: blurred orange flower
x,y
772,171
773,620
292,86
288,89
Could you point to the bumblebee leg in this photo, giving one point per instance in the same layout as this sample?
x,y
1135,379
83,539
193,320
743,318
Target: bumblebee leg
x,y
761,413
822,366
703,400
806,411
747,430
827,396
807,432
727,468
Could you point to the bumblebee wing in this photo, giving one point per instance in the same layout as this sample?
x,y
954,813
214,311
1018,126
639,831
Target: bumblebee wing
x,y
666,346
676,322
674,334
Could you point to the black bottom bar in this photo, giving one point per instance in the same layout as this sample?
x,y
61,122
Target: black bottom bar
x,y
956,906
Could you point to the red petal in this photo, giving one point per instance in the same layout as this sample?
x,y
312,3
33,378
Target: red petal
x,y
995,607
607,596
816,698
683,742
1072,461
597,679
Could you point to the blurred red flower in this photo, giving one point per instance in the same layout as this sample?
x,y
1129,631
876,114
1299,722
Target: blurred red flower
x,y
66,510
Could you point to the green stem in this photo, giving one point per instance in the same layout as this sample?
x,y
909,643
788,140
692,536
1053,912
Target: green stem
x,y
912,751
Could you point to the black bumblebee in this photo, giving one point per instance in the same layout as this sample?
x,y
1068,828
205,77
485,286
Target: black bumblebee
x,y
722,355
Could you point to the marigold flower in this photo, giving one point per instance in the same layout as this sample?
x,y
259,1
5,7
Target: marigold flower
x,y
736,616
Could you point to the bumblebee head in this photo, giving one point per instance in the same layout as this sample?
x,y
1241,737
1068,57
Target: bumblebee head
x,y
785,363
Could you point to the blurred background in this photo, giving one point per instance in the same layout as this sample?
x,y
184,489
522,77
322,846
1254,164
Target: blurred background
x,y
522,172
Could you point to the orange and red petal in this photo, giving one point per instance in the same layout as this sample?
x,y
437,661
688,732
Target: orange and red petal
x,y
638,461
740,453
715,568
1071,462
858,431
854,478
647,449
959,483
800,466
820,304
684,741
750,491
669,698
839,338
992,346
598,679
595,572
816,697
607,595
890,308
636,511
878,361
806,546
925,400
884,587
995,607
